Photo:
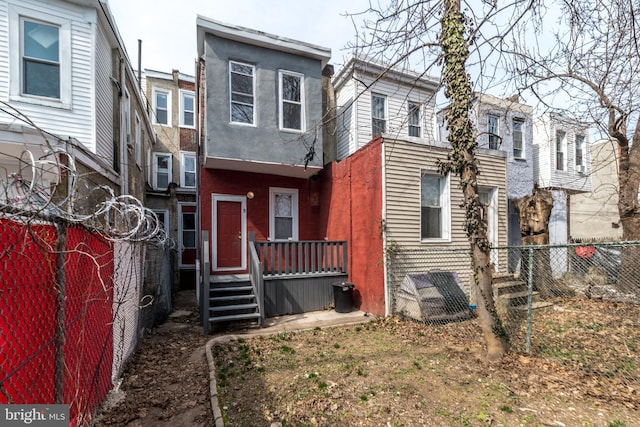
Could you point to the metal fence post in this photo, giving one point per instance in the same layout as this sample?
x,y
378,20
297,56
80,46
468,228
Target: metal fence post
x,y
529,299
61,243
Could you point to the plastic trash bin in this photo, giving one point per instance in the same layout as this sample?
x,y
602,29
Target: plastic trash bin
x,y
343,296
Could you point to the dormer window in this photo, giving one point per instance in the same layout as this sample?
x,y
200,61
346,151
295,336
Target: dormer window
x,y
40,59
413,109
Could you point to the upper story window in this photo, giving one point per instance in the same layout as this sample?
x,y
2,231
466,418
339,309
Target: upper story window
x,y
291,101
434,206
378,114
161,107
493,129
40,59
413,109
242,85
580,162
518,138
561,145
187,170
161,170
187,108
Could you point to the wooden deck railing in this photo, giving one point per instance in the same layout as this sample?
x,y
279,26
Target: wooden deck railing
x,y
303,257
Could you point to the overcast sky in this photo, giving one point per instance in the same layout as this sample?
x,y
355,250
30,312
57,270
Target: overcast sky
x,y
167,28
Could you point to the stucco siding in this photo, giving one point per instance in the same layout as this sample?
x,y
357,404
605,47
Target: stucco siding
x,y
263,141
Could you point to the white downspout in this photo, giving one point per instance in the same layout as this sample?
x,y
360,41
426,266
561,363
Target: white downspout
x,y
124,158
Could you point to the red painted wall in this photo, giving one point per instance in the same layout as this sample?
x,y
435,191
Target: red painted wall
x,y
351,203
240,183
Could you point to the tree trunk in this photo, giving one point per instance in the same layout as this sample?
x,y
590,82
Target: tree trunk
x,y
462,161
628,207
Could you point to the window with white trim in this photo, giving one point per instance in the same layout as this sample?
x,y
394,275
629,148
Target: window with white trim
x,y
241,93
378,114
518,138
414,120
291,101
561,147
187,229
39,57
187,108
161,170
580,150
187,170
161,106
434,207
283,213
493,129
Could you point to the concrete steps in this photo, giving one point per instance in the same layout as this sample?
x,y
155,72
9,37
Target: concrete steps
x,y
511,297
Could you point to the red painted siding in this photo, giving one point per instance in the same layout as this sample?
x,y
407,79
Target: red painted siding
x,y
240,183
351,204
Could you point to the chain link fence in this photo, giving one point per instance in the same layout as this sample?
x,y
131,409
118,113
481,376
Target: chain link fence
x,y
70,303
577,305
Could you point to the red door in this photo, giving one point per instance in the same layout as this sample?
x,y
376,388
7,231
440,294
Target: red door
x,y
229,240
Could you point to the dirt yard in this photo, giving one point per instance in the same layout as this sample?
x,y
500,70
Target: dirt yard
x,y
584,371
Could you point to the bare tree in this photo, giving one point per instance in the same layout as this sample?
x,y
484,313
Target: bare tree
x,y
454,38
590,66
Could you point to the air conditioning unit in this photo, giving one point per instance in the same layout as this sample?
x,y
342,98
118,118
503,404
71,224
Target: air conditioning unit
x,y
581,169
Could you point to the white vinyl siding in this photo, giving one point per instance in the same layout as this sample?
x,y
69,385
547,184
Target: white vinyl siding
x,y
353,124
547,128
75,115
104,99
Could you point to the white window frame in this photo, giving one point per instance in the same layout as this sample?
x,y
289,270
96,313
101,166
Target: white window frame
x,y
282,101
445,202
414,108
253,95
181,232
273,191
580,160
513,133
16,16
183,156
154,92
560,146
165,223
155,169
187,94
384,119
495,134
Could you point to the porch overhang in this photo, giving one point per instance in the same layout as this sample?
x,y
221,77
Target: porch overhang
x,y
293,171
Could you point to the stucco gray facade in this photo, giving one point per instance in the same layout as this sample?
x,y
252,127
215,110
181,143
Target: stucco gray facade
x,y
263,141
